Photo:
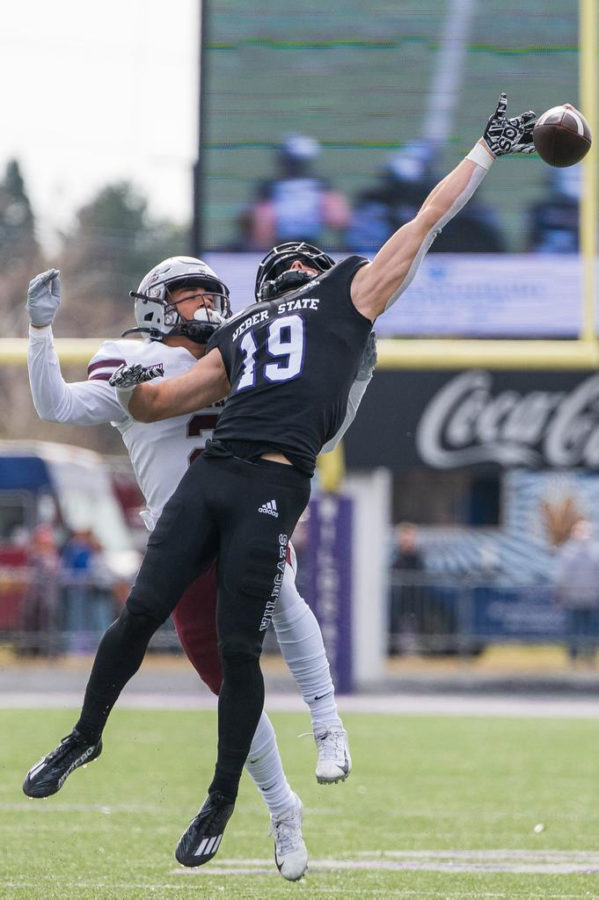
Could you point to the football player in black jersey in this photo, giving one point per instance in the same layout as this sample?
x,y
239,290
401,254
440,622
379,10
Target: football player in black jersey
x,y
286,364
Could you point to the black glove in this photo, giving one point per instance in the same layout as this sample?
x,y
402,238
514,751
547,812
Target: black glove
x,y
504,135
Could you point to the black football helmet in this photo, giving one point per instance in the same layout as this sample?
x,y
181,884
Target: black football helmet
x,y
274,278
157,316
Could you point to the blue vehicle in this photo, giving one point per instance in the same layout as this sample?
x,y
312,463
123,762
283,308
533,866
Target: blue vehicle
x,y
68,488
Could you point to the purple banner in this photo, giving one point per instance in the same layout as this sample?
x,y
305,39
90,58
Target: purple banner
x,y
329,550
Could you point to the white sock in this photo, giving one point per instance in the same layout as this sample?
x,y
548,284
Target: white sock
x,y
300,640
266,769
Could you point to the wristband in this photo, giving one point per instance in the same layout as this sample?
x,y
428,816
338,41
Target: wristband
x,y
40,331
124,394
480,156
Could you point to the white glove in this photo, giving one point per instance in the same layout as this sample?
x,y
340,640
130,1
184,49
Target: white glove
x,y
504,136
43,298
128,377
368,361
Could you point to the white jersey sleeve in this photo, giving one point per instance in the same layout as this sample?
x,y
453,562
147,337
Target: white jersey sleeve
x,y
356,393
91,402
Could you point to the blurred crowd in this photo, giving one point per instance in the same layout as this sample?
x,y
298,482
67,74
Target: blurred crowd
x,y
299,204
423,616
65,596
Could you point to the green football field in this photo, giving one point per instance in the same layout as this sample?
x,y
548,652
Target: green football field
x,y
435,807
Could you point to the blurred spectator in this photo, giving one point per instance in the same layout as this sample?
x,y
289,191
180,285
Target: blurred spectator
x,y
404,184
577,590
406,557
101,609
297,205
406,553
76,561
40,609
91,589
394,200
553,222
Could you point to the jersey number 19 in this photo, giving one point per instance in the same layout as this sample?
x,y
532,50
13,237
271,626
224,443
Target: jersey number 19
x,y
285,344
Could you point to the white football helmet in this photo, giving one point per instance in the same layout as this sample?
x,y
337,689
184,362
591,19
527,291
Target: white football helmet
x,y
157,316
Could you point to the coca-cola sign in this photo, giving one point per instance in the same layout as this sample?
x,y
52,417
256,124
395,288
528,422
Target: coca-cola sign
x,y
468,422
447,420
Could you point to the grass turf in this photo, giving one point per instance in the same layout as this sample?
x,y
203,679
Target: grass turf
x,y
419,784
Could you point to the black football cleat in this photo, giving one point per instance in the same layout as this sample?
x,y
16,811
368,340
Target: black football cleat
x,y
48,775
202,839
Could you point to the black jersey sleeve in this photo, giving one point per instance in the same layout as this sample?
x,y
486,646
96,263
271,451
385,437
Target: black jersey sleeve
x,y
218,341
221,339
214,340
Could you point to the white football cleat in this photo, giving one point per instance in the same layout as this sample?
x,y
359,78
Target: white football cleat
x,y
291,855
334,760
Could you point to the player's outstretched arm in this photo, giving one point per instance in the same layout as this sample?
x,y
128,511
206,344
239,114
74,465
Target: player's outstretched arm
x,y
77,403
377,285
204,384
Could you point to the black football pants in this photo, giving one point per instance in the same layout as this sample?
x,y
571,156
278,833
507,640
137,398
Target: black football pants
x,y
243,513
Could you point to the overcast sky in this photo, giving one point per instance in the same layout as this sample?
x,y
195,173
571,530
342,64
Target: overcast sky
x,y
93,93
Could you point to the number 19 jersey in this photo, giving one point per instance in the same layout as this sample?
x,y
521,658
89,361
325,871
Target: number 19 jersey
x,y
291,363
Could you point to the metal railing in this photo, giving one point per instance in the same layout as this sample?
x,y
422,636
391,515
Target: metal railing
x,y
46,612
462,615
427,615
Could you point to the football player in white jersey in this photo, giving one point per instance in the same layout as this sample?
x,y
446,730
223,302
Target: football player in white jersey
x,y
177,306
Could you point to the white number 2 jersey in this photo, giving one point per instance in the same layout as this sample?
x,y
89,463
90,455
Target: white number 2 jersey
x,y
160,452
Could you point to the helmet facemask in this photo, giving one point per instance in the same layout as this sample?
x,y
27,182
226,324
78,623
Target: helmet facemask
x,y
159,317
274,276
206,319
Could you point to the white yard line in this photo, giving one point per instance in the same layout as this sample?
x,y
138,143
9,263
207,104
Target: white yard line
x,y
498,705
529,862
459,862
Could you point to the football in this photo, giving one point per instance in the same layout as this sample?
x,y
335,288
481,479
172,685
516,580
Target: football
x,y
562,136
